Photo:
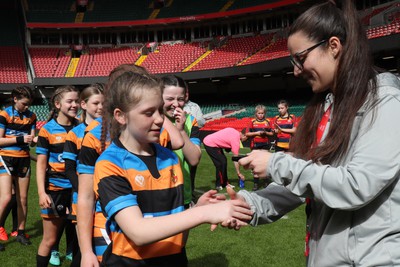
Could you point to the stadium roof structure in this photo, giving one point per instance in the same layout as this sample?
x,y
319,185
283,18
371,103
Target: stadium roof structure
x,y
275,73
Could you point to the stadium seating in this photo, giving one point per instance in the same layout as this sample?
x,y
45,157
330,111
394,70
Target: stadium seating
x,y
232,52
50,62
170,58
366,19
100,61
13,68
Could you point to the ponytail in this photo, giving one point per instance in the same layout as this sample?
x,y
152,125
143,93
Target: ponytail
x,y
352,83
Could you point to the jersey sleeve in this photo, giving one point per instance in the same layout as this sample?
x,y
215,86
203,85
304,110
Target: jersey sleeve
x,y
3,119
42,146
113,189
195,133
70,147
89,153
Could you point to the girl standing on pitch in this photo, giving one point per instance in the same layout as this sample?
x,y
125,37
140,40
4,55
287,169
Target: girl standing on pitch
x,y
17,130
260,132
91,103
284,125
93,238
54,187
174,96
140,185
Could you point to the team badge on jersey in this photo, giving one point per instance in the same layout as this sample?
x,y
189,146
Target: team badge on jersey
x,y
139,180
174,177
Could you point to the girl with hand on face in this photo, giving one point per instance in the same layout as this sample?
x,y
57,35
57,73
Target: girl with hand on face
x,y
349,180
174,95
17,130
139,183
54,187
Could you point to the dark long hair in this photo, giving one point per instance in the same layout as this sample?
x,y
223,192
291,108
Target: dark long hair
x,y
354,80
173,80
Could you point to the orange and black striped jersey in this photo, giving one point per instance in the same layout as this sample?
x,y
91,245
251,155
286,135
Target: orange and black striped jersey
x,y
72,147
90,152
51,141
165,139
91,148
153,183
73,142
14,124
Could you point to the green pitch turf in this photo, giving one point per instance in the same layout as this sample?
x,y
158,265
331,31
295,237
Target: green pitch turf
x,y
278,244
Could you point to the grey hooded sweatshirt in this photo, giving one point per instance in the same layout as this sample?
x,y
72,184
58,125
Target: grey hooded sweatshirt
x,y
355,218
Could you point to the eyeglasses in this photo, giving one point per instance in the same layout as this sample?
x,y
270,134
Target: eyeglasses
x,y
296,59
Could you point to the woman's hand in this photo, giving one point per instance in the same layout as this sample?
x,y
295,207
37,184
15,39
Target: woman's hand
x,y
257,161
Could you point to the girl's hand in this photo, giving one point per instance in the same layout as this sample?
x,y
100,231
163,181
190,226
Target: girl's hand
x,y
210,197
230,213
180,118
28,139
257,161
232,223
44,201
90,260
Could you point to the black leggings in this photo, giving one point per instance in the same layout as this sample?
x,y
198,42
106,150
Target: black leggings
x,y
221,166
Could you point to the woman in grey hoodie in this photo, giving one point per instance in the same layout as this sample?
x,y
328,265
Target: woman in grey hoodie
x,y
345,156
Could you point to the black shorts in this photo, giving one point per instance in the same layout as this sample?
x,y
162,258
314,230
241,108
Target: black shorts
x,y
14,166
60,204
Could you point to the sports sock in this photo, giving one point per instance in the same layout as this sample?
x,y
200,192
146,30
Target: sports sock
x,y
42,261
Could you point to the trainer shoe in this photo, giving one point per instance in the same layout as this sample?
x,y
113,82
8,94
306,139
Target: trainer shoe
x,y
23,240
55,258
69,256
15,233
219,188
3,234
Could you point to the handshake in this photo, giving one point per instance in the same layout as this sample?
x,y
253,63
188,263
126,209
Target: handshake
x,y
231,213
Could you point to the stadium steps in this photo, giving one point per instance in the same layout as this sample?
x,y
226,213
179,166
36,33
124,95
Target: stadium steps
x,y
73,64
79,17
154,14
140,60
197,61
255,54
227,5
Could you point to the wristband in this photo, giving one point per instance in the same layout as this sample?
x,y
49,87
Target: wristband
x,y
20,140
